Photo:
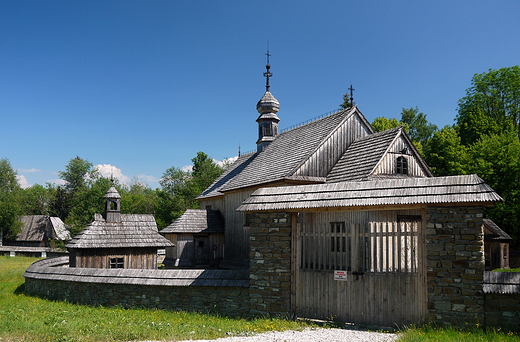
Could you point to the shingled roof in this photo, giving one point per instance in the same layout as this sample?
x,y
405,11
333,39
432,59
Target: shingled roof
x,y
133,231
408,191
281,159
37,227
197,221
365,154
498,233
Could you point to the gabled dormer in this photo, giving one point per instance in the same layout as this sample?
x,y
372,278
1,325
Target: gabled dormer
x,y
388,154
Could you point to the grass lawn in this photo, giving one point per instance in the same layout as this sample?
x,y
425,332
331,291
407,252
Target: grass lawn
x,y
28,318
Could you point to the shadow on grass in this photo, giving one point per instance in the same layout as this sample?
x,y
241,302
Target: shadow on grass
x,y
20,290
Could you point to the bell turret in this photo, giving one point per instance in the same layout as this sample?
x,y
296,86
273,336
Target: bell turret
x,y
268,106
112,205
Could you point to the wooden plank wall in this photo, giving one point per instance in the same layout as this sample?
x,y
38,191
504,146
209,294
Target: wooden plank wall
x,y
327,155
388,164
236,234
137,258
390,287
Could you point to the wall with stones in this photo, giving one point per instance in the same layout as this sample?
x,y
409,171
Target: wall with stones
x,y
232,301
270,264
455,262
502,311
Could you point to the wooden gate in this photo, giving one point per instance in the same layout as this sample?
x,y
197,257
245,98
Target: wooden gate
x,y
360,267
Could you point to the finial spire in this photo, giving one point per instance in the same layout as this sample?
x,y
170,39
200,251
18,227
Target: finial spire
x,y
351,95
268,73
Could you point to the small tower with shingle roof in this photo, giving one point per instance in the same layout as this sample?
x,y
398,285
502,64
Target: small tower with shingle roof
x,y
112,205
268,106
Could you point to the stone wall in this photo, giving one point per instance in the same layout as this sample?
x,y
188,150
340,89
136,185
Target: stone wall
x,y
232,301
270,264
502,311
455,265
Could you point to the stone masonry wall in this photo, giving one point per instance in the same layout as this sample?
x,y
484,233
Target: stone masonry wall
x,y
232,301
455,262
502,311
270,264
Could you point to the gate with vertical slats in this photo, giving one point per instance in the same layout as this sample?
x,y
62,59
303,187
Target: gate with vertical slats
x,y
382,255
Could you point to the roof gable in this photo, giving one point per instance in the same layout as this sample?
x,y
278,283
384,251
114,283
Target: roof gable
x,y
39,227
364,158
494,232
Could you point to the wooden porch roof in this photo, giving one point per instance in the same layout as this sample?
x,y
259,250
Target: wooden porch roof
x,y
388,192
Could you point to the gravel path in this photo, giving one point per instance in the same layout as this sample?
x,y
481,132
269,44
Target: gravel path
x,y
311,335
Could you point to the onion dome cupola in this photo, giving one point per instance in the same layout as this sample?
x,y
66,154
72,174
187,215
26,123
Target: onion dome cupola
x,y
112,205
268,106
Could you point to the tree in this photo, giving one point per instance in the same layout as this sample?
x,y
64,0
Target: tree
x,y
180,188
83,194
445,154
35,200
420,130
138,199
9,201
78,173
205,171
382,124
347,103
491,103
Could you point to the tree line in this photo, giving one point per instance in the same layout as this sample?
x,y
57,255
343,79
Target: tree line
x,y
81,196
484,140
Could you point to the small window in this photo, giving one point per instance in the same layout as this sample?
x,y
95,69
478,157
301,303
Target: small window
x,y
402,166
268,129
117,262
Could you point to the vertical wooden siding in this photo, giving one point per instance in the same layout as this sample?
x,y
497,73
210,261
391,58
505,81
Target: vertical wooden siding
x,y
236,234
137,258
388,164
328,154
384,261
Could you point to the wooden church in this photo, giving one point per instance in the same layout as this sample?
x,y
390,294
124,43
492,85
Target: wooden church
x,y
116,240
340,147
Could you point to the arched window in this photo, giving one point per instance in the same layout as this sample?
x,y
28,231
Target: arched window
x,y
402,166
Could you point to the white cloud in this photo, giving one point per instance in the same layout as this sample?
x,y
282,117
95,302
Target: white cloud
x,y
187,168
227,161
23,181
57,181
147,178
108,171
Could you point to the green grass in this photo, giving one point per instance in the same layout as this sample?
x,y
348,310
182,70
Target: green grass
x,y
453,334
28,318
507,270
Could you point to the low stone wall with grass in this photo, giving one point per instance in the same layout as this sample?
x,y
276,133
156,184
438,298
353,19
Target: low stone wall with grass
x,y
502,298
220,291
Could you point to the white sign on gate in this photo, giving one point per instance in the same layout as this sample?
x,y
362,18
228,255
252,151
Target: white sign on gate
x,y
340,275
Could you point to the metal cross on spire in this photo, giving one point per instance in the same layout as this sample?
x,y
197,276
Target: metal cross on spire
x,y
268,73
351,95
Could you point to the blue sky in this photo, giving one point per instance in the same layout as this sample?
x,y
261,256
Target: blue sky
x,y
141,86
